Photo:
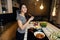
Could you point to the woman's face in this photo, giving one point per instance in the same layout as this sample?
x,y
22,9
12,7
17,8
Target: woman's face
x,y
24,9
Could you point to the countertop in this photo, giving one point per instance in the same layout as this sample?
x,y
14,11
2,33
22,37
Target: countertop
x,y
5,27
10,32
47,30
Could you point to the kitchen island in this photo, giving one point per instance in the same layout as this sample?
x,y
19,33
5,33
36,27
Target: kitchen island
x,y
9,32
48,30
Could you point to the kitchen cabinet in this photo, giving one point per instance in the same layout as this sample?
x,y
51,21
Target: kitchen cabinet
x,y
0,7
5,6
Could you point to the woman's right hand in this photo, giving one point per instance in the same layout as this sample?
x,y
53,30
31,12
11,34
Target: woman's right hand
x,y
31,18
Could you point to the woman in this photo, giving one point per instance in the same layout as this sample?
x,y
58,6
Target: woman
x,y
22,22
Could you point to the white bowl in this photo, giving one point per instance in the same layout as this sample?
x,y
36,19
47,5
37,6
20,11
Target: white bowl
x,y
35,33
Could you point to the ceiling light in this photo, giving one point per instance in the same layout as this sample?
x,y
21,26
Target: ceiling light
x,y
54,12
41,7
37,0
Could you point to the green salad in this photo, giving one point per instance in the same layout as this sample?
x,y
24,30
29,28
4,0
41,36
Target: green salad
x,y
43,24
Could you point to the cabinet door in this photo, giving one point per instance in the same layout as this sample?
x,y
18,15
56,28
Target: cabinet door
x,y
6,6
0,7
9,4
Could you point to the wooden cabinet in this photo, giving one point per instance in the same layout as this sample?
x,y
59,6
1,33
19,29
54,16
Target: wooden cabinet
x,y
5,6
0,7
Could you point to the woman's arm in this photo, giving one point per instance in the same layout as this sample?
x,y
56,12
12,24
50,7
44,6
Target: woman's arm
x,y
24,26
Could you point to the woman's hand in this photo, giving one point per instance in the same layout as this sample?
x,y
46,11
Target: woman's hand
x,y
31,18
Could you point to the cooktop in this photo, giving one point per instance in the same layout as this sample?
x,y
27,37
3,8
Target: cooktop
x,y
30,34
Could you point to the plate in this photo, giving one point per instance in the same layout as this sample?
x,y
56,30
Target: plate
x,y
39,35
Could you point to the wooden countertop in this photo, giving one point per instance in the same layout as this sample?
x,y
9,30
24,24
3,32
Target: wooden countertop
x,y
5,27
10,33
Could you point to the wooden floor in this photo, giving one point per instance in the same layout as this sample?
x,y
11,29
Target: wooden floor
x,y
10,33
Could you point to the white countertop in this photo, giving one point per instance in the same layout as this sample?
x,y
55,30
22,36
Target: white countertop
x,y
48,30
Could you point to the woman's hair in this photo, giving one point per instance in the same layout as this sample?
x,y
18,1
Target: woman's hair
x,y
18,11
21,5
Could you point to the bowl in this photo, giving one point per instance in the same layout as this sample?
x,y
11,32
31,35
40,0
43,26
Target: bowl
x,y
43,24
39,35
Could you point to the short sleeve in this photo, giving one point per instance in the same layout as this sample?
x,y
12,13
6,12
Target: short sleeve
x,y
17,17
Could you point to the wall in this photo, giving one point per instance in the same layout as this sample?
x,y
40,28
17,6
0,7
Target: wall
x,y
55,19
35,10
58,16
15,4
